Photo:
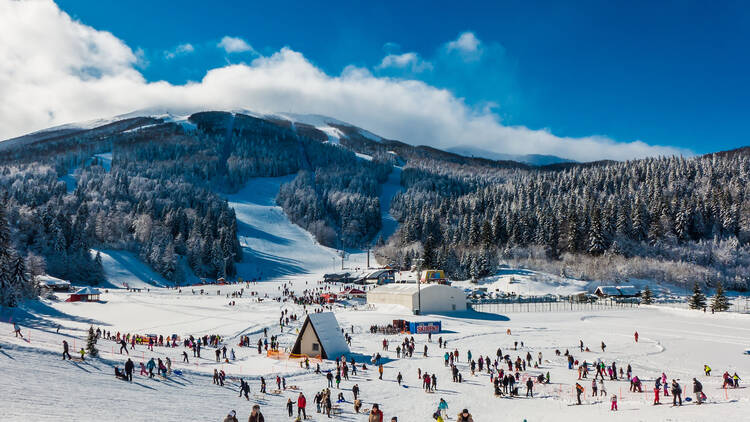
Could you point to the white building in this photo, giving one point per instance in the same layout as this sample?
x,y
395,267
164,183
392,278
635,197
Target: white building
x,y
434,297
320,336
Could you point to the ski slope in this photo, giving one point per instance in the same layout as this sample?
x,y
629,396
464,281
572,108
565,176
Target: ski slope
x,y
272,245
38,385
125,270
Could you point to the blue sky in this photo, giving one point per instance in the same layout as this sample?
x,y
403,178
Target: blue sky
x,y
668,73
595,80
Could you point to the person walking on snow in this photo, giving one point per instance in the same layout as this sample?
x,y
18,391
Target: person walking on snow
x,y
613,407
636,336
65,350
443,408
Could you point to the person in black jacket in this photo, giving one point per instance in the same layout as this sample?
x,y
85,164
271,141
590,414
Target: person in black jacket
x,y
698,391
676,393
129,366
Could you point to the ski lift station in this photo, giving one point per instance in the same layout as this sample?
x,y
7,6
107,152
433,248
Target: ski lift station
x,y
434,297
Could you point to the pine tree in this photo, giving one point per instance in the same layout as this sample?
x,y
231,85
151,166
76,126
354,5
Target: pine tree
x,y
647,297
720,303
91,343
698,299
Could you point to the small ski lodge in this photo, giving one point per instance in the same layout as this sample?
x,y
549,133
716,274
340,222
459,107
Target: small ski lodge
x,y
617,291
86,294
320,336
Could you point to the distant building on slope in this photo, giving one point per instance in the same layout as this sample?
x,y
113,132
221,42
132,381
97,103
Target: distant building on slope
x,y
379,277
86,294
320,336
617,291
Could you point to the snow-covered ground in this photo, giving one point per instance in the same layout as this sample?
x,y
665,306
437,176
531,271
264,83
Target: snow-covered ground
x,y
528,283
272,245
38,385
124,269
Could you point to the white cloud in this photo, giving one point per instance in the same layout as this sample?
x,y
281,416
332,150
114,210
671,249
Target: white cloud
x,y
409,61
467,45
234,45
55,70
180,50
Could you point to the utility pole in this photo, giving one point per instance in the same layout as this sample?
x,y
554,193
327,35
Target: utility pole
x,y
419,285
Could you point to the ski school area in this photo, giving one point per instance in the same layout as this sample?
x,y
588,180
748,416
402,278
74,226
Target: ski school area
x,y
258,347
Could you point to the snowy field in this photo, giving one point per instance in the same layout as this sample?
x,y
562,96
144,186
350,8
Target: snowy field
x,y
38,385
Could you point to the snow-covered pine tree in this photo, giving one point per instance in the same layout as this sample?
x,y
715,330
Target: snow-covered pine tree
x,y
720,303
91,343
647,297
698,299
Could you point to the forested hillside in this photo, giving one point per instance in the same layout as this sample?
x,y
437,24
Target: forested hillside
x,y
673,219
162,197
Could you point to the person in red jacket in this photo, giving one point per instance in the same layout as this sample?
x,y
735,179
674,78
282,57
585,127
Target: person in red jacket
x,y
636,336
301,404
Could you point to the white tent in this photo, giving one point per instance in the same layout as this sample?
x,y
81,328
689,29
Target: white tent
x,y
321,336
434,297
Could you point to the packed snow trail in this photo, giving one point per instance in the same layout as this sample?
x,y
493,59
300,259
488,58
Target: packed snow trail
x,y
272,245
389,189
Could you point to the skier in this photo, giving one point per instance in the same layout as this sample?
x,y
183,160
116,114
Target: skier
x,y
124,346
185,357
17,330
399,378
613,407
636,336
707,370
65,350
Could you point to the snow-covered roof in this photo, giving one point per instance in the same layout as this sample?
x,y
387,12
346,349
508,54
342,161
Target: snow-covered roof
x,y
48,280
88,291
329,333
608,290
628,290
